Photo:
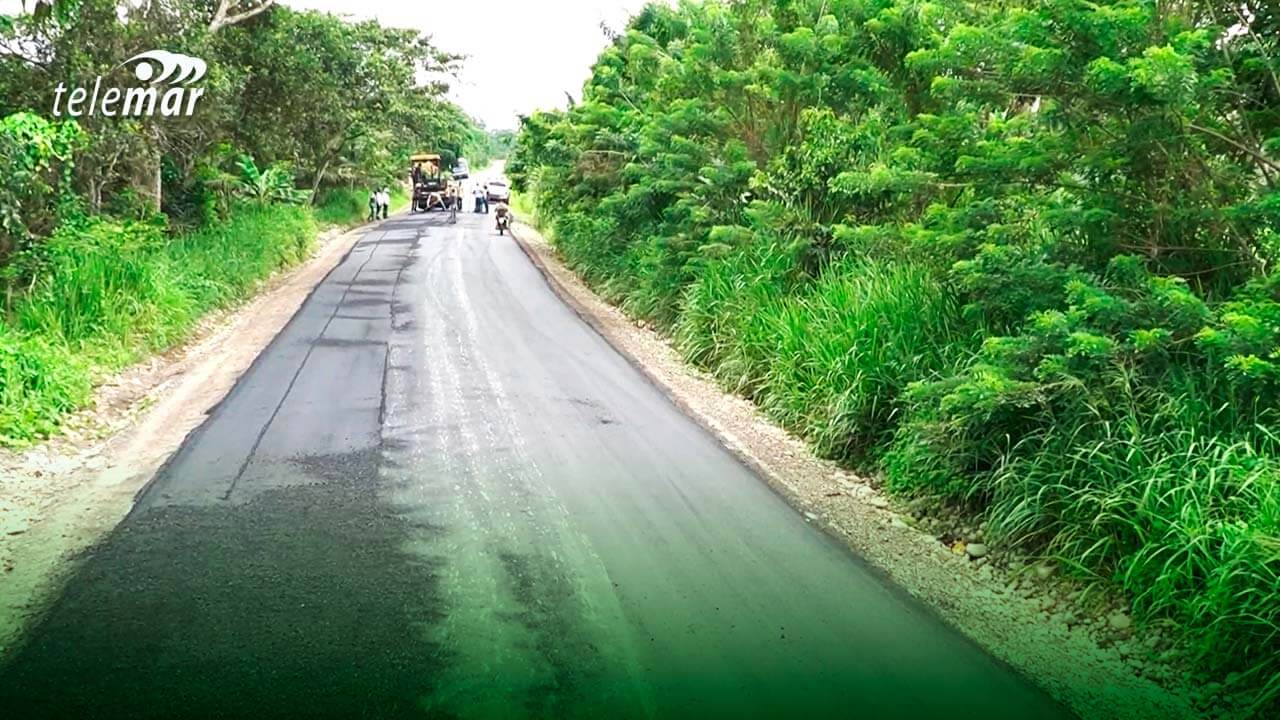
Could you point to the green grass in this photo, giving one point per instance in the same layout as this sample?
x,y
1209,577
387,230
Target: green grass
x,y
827,358
342,206
1146,486
524,206
347,206
1186,523
106,294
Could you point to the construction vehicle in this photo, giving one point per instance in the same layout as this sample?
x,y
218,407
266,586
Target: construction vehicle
x,y
429,182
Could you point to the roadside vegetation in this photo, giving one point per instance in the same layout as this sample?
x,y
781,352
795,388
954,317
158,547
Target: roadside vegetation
x,y
117,235
110,292
350,206
1014,257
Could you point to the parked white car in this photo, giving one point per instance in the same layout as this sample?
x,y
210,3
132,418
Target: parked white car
x,y
498,191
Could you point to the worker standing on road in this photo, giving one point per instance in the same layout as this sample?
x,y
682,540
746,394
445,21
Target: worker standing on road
x,y
385,202
373,205
478,193
451,200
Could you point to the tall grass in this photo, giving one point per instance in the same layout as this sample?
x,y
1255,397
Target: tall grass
x,y
524,206
825,357
350,206
1161,480
1186,523
105,294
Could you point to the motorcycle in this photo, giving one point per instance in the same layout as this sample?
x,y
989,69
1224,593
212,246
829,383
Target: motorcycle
x,y
504,220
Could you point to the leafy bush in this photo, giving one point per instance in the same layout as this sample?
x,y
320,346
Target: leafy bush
x,y
275,184
1133,436
1110,355
35,162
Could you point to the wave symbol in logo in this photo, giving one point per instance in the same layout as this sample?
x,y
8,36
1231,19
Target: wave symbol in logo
x,y
173,68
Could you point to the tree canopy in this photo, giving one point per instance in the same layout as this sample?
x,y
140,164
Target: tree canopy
x,y
336,102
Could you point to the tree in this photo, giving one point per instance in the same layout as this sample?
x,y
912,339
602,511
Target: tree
x,y
232,12
332,100
327,95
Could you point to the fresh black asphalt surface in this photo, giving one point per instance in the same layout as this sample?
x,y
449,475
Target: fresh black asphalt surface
x,y
438,493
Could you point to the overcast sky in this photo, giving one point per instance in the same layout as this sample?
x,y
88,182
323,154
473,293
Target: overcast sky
x,y
522,54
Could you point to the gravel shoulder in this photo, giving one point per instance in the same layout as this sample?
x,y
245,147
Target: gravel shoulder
x,y
60,497
1081,663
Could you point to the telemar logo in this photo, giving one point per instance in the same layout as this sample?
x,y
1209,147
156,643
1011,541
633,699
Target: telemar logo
x,y
156,67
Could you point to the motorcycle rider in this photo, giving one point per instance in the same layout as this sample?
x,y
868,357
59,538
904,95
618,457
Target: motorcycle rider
x,y
502,214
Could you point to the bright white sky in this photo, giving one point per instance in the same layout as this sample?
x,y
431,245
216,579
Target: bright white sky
x,y
523,55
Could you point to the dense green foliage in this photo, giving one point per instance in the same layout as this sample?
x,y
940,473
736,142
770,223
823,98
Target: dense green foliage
x,y
35,158
336,103
117,234
1018,255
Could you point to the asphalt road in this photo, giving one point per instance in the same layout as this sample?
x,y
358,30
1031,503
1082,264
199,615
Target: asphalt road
x,y
438,493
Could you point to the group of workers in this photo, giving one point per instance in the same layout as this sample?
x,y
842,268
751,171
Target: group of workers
x,y
379,204
502,211
452,198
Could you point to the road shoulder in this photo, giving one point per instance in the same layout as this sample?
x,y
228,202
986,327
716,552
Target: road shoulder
x,y
995,608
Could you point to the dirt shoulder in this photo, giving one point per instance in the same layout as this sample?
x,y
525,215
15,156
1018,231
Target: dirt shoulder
x,y
60,497
1014,615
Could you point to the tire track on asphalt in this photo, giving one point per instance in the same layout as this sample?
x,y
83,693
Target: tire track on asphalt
x,y
562,583
490,654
